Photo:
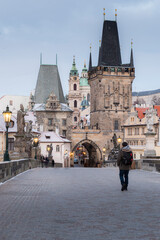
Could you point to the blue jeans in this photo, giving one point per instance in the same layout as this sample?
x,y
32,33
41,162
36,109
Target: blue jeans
x,y
123,175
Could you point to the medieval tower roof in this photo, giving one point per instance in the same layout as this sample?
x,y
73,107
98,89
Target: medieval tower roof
x,y
109,54
48,81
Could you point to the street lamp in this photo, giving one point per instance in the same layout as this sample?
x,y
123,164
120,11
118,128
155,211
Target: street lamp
x,y
119,140
104,153
7,118
35,144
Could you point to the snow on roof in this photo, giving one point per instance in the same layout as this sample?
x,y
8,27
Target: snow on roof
x,y
42,107
30,117
51,137
3,125
64,107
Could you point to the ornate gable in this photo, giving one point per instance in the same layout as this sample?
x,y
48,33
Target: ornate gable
x,y
53,103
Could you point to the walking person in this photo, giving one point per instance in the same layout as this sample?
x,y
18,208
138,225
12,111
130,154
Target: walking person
x,y
124,161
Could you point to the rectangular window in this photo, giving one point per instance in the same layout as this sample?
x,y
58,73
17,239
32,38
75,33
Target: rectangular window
x,y
64,133
116,125
11,102
136,132
57,148
142,131
11,144
50,121
129,131
64,122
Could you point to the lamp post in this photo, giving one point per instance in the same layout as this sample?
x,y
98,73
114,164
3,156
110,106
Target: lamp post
x,y
35,144
7,118
104,153
48,149
119,140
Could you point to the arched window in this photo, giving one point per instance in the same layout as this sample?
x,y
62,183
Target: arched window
x,y
75,87
75,119
75,103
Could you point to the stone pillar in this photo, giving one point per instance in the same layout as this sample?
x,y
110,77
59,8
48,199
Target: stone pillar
x,y
150,145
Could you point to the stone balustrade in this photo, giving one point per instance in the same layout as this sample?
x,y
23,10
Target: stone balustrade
x,y
12,168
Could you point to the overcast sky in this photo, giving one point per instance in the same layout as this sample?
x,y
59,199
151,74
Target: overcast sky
x,y
29,27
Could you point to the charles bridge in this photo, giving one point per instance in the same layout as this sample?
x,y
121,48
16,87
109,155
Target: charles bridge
x,y
77,203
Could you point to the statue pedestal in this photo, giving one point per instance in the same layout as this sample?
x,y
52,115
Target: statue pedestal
x,y
20,145
150,144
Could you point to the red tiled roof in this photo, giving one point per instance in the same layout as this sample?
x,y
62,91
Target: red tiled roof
x,y
141,112
157,107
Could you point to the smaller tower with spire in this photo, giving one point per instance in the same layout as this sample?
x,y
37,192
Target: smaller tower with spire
x,y
74,97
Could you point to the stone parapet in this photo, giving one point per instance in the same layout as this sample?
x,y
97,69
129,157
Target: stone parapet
x,y
151,164
12,168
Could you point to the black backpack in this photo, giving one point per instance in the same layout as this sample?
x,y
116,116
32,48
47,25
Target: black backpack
x,y
127,158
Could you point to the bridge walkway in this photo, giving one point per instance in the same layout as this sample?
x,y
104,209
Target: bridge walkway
x,y
80,204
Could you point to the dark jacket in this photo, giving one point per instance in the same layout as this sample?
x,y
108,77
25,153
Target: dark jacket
x,y
120,156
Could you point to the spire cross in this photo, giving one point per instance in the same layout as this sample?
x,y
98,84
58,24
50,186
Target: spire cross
x,y
85,63
104,13
90,47
99,43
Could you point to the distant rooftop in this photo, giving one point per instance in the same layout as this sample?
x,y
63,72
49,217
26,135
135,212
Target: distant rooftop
x,y
145,93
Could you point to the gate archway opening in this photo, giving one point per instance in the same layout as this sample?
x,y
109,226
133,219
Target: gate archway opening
x,y
87,154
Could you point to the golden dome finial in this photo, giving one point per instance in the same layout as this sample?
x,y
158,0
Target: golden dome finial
x,y
104,13
116,15
131,43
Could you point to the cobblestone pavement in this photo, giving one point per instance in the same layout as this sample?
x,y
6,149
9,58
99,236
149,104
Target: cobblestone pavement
x,y
80,204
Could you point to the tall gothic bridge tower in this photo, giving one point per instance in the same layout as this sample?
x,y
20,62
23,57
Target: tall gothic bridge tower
x,y
111,89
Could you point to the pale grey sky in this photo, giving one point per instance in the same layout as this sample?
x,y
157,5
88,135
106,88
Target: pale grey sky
x,y
29,27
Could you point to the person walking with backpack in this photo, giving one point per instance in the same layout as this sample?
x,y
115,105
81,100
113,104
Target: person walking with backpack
x,y
124,161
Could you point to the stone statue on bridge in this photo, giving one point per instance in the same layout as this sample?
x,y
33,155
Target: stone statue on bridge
x,y
20,120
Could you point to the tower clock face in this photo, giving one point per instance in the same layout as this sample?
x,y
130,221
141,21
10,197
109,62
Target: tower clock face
x,y
75,78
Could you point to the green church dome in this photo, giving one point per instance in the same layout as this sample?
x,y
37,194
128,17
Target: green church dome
x,y
83,82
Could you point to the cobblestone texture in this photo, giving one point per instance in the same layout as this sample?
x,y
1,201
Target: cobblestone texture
x,y
80,204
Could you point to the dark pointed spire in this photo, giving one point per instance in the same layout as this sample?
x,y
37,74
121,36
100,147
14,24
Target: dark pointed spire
x,y
131,58
90,61
110,54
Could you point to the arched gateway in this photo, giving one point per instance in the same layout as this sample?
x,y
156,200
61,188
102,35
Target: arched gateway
x,y
93,157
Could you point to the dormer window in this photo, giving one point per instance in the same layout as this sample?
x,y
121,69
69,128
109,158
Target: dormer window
x,y
48,137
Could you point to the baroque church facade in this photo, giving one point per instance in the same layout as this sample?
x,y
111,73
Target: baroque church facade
x,y
79,93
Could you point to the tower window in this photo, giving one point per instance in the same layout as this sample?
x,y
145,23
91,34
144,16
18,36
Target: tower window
x,y
50,121
75,87
64,122
116,125
75,119
75,103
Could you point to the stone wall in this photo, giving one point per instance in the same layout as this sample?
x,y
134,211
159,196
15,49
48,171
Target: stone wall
x,y
12,168
151,165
